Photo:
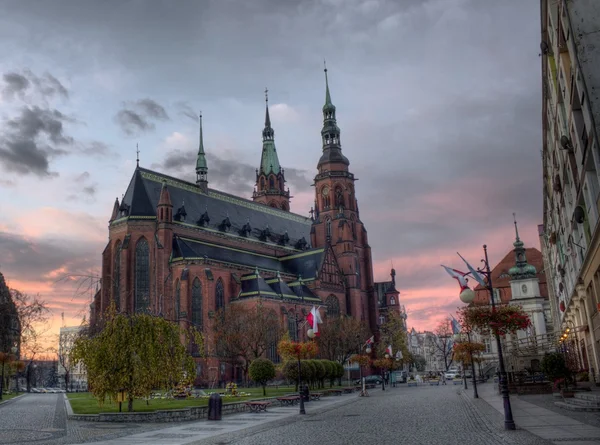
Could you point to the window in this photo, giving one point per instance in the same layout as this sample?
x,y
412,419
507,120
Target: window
x,y
262,183
328,228
291,318
142,276
339,197
219,295
488,345
381,319
333,306
117,277
177,299
197,304
271,182
392,301
273,337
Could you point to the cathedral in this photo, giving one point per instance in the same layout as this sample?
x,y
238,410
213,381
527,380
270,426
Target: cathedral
x,y
184,250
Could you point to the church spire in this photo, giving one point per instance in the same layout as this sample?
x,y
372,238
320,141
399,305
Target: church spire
x,y
521,270
330,134
201,166
269,162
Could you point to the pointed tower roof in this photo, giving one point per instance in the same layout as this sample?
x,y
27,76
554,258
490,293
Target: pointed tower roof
x,y
328,104
522,270
269,161
165,196
115,211
201,159
332,147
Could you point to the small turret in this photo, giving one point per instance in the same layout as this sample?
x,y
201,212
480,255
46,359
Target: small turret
x,y
521,270
115,211
164,210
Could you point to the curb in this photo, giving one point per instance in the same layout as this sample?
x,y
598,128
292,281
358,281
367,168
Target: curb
x,y
3,402
68,406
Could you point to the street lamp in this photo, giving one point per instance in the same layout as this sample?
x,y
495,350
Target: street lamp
x,y
467,296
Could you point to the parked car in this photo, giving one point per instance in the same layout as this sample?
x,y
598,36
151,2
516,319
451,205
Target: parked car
x,y
450,375
370,379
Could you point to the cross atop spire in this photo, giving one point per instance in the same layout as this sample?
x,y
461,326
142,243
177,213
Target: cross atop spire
x,y
137,152
516,228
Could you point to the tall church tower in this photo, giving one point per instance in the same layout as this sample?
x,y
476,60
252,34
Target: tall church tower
x,y
336,223
201,166
270,179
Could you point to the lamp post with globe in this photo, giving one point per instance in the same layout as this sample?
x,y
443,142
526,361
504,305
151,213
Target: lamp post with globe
x,y
467,296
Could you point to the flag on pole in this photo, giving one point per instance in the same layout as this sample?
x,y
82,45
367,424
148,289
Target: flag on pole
x,y
313,319
475,274
370,341
458,276
389,350
455,325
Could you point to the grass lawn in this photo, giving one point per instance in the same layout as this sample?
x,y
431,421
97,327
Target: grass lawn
x,y
9,396
85,403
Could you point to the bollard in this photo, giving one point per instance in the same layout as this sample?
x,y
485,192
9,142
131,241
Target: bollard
x,y
215,404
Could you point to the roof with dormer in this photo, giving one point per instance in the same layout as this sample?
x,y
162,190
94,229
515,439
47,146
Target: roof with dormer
x,y
224,213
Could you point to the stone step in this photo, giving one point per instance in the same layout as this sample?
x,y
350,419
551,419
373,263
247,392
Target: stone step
x,y
572,407
588,396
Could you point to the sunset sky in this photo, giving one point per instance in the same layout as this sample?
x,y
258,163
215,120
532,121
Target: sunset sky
x,y
438,102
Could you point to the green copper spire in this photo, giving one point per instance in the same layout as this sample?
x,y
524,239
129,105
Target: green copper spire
x,y
269,161
201,166
522,270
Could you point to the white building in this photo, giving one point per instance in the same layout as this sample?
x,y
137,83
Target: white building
x,y
77,374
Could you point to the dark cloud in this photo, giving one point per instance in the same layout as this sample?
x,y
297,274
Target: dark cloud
x,y
19,84
137,117
27,260
32,138
225,174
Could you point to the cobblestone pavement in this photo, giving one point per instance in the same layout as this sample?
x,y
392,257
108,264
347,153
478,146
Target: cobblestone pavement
x,y
547,401
428,415
41,419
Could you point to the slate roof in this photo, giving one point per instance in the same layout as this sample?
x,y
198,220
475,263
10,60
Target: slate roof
x,y
305,263
253,285
143,193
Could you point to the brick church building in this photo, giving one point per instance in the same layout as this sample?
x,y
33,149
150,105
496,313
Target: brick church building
x,y
184,250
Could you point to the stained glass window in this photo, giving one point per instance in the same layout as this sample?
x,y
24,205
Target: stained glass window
x,y
117,277
292,326
219,295
197,304
142,276
328,228
273,338
333,306
177,299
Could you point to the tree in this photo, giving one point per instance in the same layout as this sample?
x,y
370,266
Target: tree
x,y
261,371
135,354
420,362
341,337
442,342
66,340
392,333
245,333
555,367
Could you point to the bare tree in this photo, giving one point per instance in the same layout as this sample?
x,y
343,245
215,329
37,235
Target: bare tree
x,y
341,337
442,342
66,339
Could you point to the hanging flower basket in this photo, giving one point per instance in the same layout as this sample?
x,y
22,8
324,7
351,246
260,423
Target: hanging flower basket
x,y
288,348
502,320
562,306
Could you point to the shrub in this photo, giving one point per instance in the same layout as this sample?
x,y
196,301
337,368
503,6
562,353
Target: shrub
x,y
261,371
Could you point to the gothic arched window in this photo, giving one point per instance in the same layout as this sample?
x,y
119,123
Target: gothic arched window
x,y
219,295
271,182
291,318
328,228
283,206
142,276
197,304
273,337
339,198
392,301
262,183
117,277
177,299
333,306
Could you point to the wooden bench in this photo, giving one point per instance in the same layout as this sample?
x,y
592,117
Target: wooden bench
x,y
315,395
335,392
288,400
256,407
348,390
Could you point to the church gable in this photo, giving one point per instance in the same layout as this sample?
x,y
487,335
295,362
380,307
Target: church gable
x,y
330,272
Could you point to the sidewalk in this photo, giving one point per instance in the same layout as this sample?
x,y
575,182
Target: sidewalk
x,y
188,432
541,421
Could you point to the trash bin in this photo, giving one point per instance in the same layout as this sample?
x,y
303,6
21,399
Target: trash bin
x,y
305,394
215,405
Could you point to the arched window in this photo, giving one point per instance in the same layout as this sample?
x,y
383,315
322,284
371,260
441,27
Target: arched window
x,y
271,182
177,299
333,306
142,276
273,204
283,206
197,304
117,277
339,198
382,319
392,301
273,337
219,295
262,183
358,275
328,228
291,318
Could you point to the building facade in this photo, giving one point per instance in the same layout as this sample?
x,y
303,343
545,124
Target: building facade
x,y
77,379
184,251
570,45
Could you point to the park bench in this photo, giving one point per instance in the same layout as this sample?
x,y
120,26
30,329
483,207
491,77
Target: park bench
x,y
256,407
288,400
315,395
348,390
335,392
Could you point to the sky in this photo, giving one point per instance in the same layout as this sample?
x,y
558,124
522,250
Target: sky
x,y
438,102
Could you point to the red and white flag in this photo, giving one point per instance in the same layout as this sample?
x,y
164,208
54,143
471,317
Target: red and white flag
x,y
458,276
370,341
389,350
313,319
